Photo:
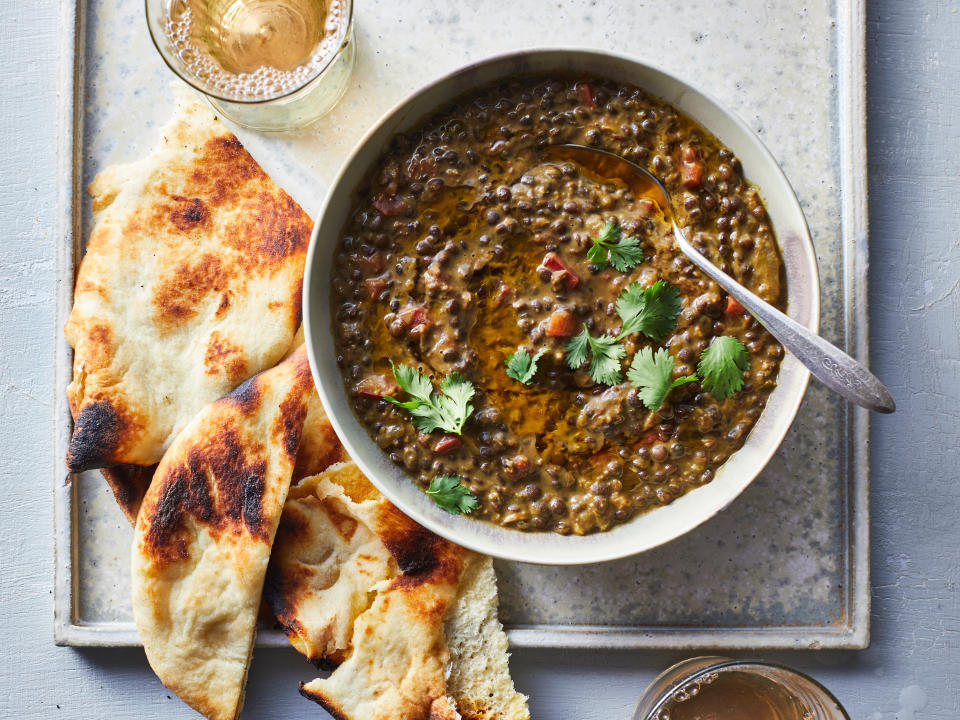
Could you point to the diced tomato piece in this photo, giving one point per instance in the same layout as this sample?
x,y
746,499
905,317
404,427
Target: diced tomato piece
x,y
691,169
651,437
586,94
377,386
373,264
734,307
561,323
446,444
691,174
413,315
554,263
375,286
516,467
390,205
646,206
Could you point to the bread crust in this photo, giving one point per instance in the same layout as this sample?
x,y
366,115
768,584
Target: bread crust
x,y
191,283
204,533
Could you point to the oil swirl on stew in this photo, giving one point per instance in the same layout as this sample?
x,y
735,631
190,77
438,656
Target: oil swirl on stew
x,y
441,266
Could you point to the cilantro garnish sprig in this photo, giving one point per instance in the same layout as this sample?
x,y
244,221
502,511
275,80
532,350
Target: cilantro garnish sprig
x,y
611,247
722,366
651,373
605,356
522,366
452,495
652,311
720,371
447,410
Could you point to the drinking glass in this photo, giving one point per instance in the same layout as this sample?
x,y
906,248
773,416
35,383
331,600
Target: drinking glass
x,y
790,694
289,107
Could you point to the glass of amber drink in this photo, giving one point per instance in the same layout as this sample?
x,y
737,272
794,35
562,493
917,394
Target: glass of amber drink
x,y
723,689
265,64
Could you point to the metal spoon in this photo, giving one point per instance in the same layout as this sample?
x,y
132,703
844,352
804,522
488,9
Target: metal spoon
x,y
833,367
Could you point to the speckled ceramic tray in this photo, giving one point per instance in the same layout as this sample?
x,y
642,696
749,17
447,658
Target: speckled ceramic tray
x,y
786,565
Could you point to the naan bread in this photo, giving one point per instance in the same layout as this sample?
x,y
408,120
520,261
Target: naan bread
x,y
204,533
319,449
479,679
410,618
397,668
326,558
191,283
338,537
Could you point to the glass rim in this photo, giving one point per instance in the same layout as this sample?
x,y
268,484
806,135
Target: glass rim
x,y
730,664
192,81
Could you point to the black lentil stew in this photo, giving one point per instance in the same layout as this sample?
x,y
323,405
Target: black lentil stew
x,y
520,335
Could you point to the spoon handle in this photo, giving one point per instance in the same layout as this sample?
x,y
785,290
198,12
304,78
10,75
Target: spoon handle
x,y
833,367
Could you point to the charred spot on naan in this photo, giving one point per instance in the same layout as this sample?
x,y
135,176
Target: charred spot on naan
x,y
99,432
226,165
269,229
298,303
336,713
129,484
224,357
178,297
418,552
188,213
289,424
220,486
247,396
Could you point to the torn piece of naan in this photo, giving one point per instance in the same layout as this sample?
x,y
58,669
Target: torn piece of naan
x,y
191,283
398,663
329,553
204,534
410,618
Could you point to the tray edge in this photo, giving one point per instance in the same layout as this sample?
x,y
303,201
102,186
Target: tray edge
x,y
70,28
854,633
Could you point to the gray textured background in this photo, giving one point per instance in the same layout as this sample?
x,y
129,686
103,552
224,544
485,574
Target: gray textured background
x,y
911,670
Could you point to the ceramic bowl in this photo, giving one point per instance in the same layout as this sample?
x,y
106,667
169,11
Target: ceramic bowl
x,y
657,526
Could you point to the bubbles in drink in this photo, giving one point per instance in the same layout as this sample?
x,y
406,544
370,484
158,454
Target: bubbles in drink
x,y
733,695
255,49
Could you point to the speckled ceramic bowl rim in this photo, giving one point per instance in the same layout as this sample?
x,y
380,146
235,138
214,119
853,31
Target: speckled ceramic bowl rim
x,y
657,526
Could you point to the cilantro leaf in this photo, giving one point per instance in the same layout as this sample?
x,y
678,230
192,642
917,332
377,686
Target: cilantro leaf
x,y
522,367
577,349
650,373
450,494
606,354
722,366
611,246
448,410
652,311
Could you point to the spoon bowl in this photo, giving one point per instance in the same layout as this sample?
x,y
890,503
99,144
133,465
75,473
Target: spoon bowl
x,y
833,367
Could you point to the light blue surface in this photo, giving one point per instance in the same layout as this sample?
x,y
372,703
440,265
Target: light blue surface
x,y
912,670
